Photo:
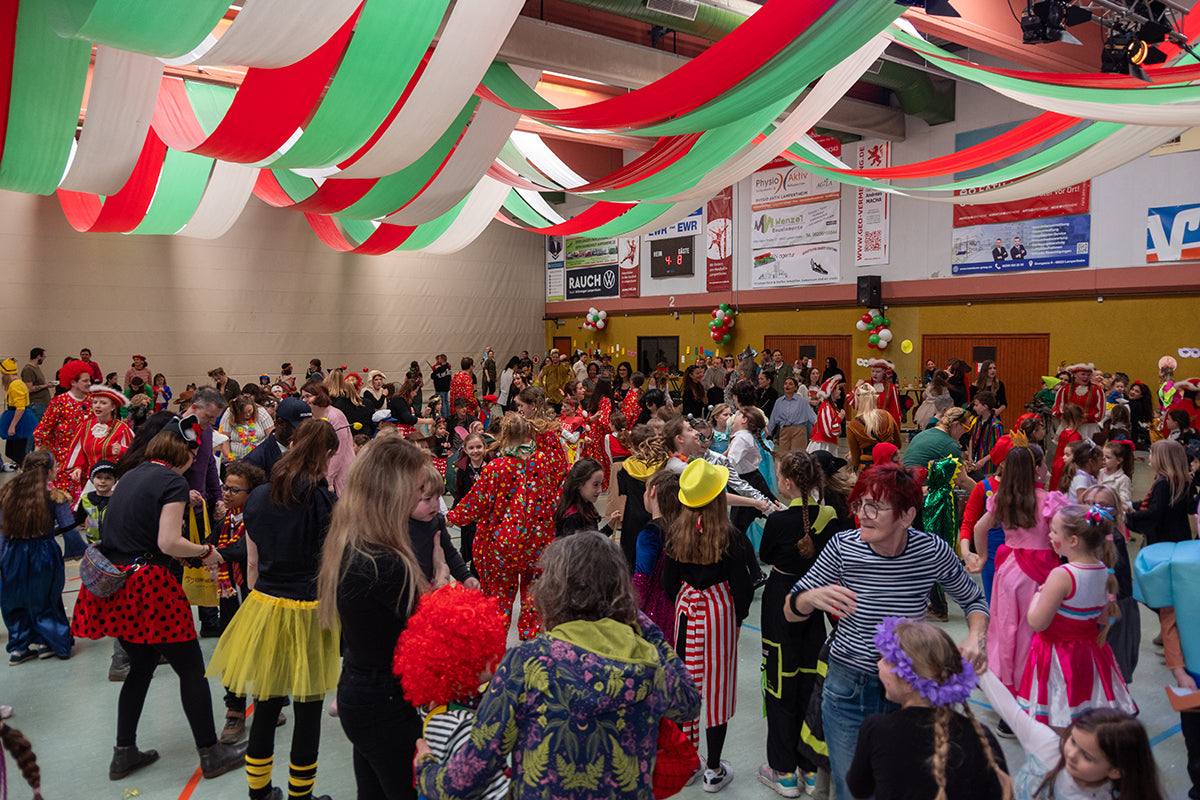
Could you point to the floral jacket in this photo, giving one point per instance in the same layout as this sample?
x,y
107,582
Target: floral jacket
x,y
578,710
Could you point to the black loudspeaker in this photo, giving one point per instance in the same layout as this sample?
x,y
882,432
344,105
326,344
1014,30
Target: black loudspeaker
x,y
870,291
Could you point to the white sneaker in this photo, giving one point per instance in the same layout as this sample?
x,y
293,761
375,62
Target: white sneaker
x,y
697,774
716,780
785,784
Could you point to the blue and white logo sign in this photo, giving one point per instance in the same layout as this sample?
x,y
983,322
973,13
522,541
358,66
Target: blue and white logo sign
x,y
1173,233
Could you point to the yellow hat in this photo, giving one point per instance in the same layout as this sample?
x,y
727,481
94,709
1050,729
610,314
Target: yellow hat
x,y
701,482
8,366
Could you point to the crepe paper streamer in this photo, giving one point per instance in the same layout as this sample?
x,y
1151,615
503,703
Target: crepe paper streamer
x,y
513,163
282,188
8,37
271,34
534,152
467,165
229,188
181,186
501,171
384,239
468,43
392,192
378,63
120,103
520,206
730,60
124,210
151,27
45,93
266,109
477,212
539,205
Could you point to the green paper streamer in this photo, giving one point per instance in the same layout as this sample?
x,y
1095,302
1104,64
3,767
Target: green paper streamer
x,y
49,73
166,28
295,186
390,39
210,103
181,185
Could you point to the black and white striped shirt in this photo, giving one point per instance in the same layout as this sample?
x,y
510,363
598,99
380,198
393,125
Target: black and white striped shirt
x,y
447,731
896,586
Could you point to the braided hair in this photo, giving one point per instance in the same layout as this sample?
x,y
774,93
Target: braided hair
x,y
806,475
22,753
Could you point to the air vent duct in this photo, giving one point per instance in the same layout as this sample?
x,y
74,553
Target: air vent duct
x,y
684,9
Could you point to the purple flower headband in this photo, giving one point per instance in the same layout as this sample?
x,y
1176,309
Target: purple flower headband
x,y
956,688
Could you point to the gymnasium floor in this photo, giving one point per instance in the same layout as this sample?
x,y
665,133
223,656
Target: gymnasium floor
x,y
68,711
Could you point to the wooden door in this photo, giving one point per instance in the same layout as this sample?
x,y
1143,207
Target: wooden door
x,y
818,348
1021,359
563,345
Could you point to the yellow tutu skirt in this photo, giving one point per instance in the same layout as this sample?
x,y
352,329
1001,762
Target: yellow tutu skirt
x,y
275,647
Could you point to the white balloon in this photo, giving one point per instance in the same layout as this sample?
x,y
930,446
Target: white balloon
x,y
883,343
600,325
602,314
729,322
885,335
862,326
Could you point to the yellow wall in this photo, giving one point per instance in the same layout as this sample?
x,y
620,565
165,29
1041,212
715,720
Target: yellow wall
x,y
1128,334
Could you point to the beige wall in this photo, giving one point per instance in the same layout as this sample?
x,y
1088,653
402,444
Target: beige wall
x,y
268,291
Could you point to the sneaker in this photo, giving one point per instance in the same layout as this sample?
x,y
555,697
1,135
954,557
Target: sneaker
x,y
118,669
21,656
717,779
44,651
235,727
785,784
1004,731
696,775
810,783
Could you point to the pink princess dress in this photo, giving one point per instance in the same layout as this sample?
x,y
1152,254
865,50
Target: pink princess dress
x,y
1023,563
1069,671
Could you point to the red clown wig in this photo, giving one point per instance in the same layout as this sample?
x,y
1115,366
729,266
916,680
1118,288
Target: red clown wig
x,y
454,634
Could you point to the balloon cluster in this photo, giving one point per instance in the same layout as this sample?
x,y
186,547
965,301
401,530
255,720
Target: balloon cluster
x,y
877,324
596,320
721,323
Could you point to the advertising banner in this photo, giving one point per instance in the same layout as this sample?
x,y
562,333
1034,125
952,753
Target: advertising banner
x,y
585,252
586,283
554,269
1173,233
630,265
803,265
719,275
872,221
790,205
1064,202
690,225
1051,243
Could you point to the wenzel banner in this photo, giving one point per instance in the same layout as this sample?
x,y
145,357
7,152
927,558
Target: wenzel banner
x,y
872,221
790,205
807,264
1052,243
1173,233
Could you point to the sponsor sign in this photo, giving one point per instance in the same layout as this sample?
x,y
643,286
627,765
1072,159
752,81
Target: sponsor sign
x,y
796,224
872,211
629,251
719,276
585,252
801,265
1052,243
554,269
690,225
1173,233
1064,202
584,283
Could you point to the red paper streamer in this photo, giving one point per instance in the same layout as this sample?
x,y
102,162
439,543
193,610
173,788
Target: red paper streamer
x,y
385,239
125,210
8,45
267,189
712,73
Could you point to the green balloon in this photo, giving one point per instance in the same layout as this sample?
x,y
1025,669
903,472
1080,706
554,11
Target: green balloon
x,y
886,321
876,320
727,338
873,338
724,306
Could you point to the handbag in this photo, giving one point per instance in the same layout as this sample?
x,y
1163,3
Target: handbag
x,y
676,762
100,576
200,583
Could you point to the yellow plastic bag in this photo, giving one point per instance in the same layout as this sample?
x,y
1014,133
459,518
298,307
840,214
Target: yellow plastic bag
x,y
200,583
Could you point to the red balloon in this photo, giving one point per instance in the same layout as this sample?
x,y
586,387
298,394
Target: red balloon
x,y
866,318
714,313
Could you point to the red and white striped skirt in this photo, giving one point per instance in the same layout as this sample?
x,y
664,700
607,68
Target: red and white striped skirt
x,y
709,621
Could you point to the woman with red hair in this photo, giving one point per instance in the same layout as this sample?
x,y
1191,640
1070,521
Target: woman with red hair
x,y
884,568
63,418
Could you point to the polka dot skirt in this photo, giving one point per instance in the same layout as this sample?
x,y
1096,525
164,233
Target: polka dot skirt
x,y
150,608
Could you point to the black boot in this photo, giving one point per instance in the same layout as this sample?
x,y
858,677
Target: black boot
x,y
129,759
220,758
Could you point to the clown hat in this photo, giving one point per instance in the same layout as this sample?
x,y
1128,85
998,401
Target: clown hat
x,y
881,362
701,482
8,366
100,390
1080,367
71,371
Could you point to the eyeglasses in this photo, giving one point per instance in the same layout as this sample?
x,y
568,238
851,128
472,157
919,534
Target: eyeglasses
x,y
867,509
233,489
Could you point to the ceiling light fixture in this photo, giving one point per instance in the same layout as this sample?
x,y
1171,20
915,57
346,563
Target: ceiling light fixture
x,y
1047,21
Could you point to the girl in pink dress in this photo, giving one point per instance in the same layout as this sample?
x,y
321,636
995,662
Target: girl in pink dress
x,y
1023,562
1070,668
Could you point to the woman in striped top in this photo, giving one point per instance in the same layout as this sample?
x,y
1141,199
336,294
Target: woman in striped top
x,y
885,568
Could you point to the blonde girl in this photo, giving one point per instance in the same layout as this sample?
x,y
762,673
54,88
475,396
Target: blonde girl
x,y
1163,515
370,580
869,427
1117,470
933,746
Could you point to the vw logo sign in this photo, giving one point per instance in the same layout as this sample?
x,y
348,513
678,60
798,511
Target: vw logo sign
x,y
610,279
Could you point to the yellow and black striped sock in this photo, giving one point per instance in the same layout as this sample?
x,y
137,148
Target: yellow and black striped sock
x,y
258,775
301,779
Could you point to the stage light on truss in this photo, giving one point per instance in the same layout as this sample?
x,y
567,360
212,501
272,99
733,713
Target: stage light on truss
x,y
1048,20
1125,52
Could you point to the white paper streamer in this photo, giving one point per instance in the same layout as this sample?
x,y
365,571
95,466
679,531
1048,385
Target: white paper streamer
x,y
467,46
539,204
119,110
477,212
271,34
229,188
541,157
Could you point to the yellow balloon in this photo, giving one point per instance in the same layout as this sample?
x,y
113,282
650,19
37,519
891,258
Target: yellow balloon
x,y
906,346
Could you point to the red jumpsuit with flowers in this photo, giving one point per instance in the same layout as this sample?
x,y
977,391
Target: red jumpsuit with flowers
x,y
513,504
57,430
462,386
631,407
597,428
549,444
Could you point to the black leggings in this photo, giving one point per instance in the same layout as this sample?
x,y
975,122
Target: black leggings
x,y
188,662
306,739
15,449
